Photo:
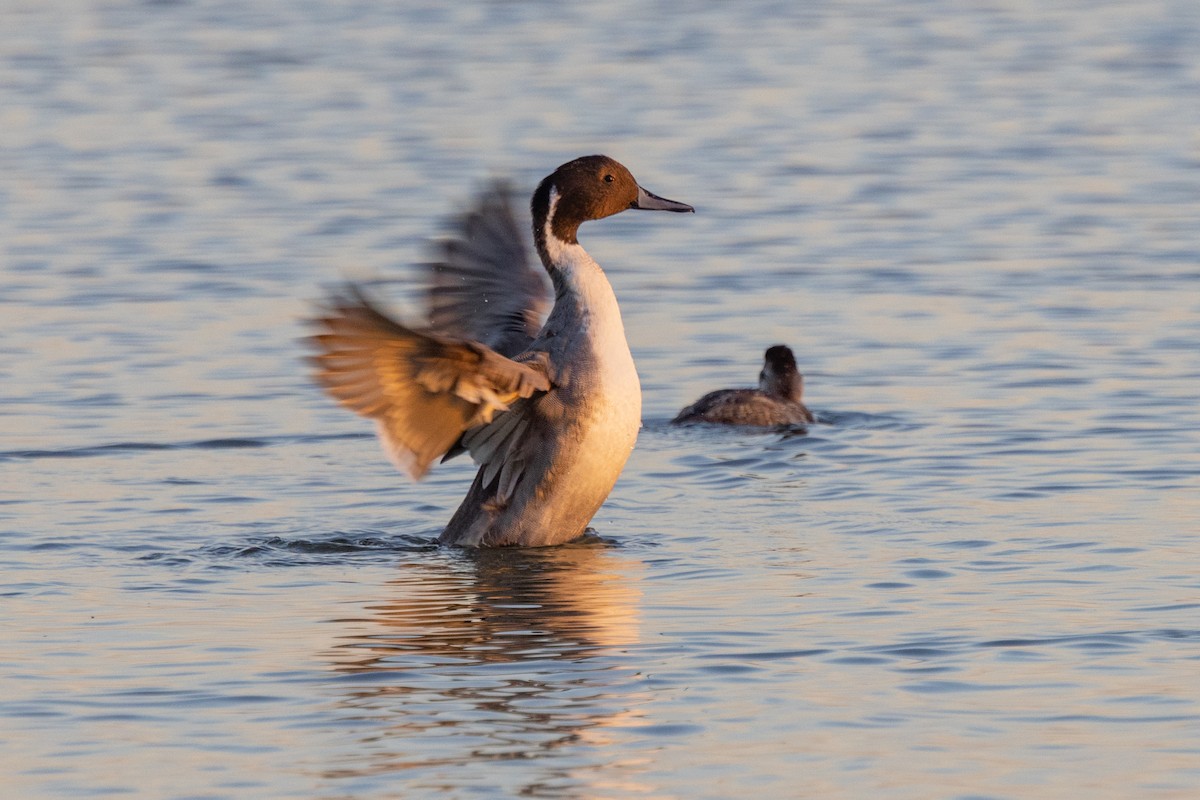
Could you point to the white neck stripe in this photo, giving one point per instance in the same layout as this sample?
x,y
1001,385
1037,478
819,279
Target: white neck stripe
x,y
548,226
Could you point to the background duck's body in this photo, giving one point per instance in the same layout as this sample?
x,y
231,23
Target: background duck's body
x,y
778,399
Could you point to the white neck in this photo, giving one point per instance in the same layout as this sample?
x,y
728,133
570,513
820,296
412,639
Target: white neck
x,y
587,293
578,271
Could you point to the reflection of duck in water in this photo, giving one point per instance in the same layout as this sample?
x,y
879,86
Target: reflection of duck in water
x,y
549,412
496,654
500,606
776,401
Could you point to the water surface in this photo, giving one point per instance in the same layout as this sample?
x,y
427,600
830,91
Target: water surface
x,y
976,577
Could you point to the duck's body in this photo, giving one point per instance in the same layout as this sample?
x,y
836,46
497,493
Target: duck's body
x,y
551,414
580,433
777,400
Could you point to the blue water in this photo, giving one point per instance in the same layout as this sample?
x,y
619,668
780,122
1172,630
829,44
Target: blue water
x,y
977,577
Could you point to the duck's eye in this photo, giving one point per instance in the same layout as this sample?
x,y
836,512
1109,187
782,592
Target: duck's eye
x,y
608,178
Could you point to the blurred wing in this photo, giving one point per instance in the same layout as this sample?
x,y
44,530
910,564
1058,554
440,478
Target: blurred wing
x,y
503,450
423,390
483,285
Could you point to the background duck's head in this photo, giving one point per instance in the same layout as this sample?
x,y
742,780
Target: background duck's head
x,y
779,376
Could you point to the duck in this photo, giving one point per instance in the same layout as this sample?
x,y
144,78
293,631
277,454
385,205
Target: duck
x,y
776,402
548,410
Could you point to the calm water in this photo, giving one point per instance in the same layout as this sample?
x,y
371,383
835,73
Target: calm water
x,y
979,577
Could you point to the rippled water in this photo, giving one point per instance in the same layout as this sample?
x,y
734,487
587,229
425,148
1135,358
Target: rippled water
x,y
979,576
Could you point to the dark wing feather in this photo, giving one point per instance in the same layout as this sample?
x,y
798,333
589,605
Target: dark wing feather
x,y
483,283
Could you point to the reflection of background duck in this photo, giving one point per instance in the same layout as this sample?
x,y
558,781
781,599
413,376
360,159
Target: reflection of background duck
x,y
517,637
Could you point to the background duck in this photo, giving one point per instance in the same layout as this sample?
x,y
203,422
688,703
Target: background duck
x,y
776,401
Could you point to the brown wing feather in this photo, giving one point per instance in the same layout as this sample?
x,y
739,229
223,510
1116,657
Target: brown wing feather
x,y
422,389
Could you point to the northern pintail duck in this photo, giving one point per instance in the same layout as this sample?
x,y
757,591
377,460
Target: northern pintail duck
x,y
549,412
776,401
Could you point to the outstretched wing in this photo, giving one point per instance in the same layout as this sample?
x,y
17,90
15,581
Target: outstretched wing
x,y
483,284
423,390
